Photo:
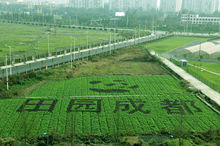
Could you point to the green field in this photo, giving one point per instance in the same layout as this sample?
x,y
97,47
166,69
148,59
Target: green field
x,y
214,67
26,39
171,43
210,79
106,105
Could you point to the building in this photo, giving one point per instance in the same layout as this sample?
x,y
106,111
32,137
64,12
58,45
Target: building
x,y
121,5
146,4
201,6
88,4
124,5
196,19
170,5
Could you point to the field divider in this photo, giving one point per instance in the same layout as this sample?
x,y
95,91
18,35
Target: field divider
x,y
141,95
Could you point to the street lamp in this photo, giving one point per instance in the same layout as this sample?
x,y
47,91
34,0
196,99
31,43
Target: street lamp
x,y
139,31
110,41
10,59
74,48
87,39
71,51
48,44
6,72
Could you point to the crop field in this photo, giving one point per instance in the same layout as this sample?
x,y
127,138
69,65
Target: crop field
x,y
106,105
25,39
171,43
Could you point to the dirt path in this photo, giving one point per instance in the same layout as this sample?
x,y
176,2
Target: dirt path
x,y
31,88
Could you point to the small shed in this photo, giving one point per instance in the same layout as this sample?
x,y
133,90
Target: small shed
x,y
183,62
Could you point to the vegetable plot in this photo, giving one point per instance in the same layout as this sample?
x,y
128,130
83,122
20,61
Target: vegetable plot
x,y
106,105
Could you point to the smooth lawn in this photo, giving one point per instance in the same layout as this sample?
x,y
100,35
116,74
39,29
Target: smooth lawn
x,y
168,44
214,67
210,79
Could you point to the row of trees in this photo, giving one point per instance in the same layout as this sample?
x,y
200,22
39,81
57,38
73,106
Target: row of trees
x,y
151,19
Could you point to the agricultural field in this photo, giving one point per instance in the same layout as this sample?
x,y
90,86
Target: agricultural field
x,y
26,39
106,105
171,43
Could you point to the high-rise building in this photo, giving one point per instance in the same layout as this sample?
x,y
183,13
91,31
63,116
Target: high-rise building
x,y
204,6
170,5
148,4
120,5
123,5
86,4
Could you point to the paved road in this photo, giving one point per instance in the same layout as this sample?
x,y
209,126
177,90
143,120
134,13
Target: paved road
x,y
206,90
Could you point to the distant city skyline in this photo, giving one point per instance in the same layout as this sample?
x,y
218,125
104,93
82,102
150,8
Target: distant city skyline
x,y
198,6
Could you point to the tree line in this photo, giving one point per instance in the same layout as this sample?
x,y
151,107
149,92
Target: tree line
x,y
103,17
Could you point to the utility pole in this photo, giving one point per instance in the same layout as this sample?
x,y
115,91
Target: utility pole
x,y
6,59
110,41
48,44
127,20
114,35
71,52
74,48
135,35
200,51
219,28
10,61
184,27
87,40
153,26
187,26
139,31
191,28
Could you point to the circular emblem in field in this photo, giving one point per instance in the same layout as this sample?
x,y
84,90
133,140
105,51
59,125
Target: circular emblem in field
x,y
117,86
